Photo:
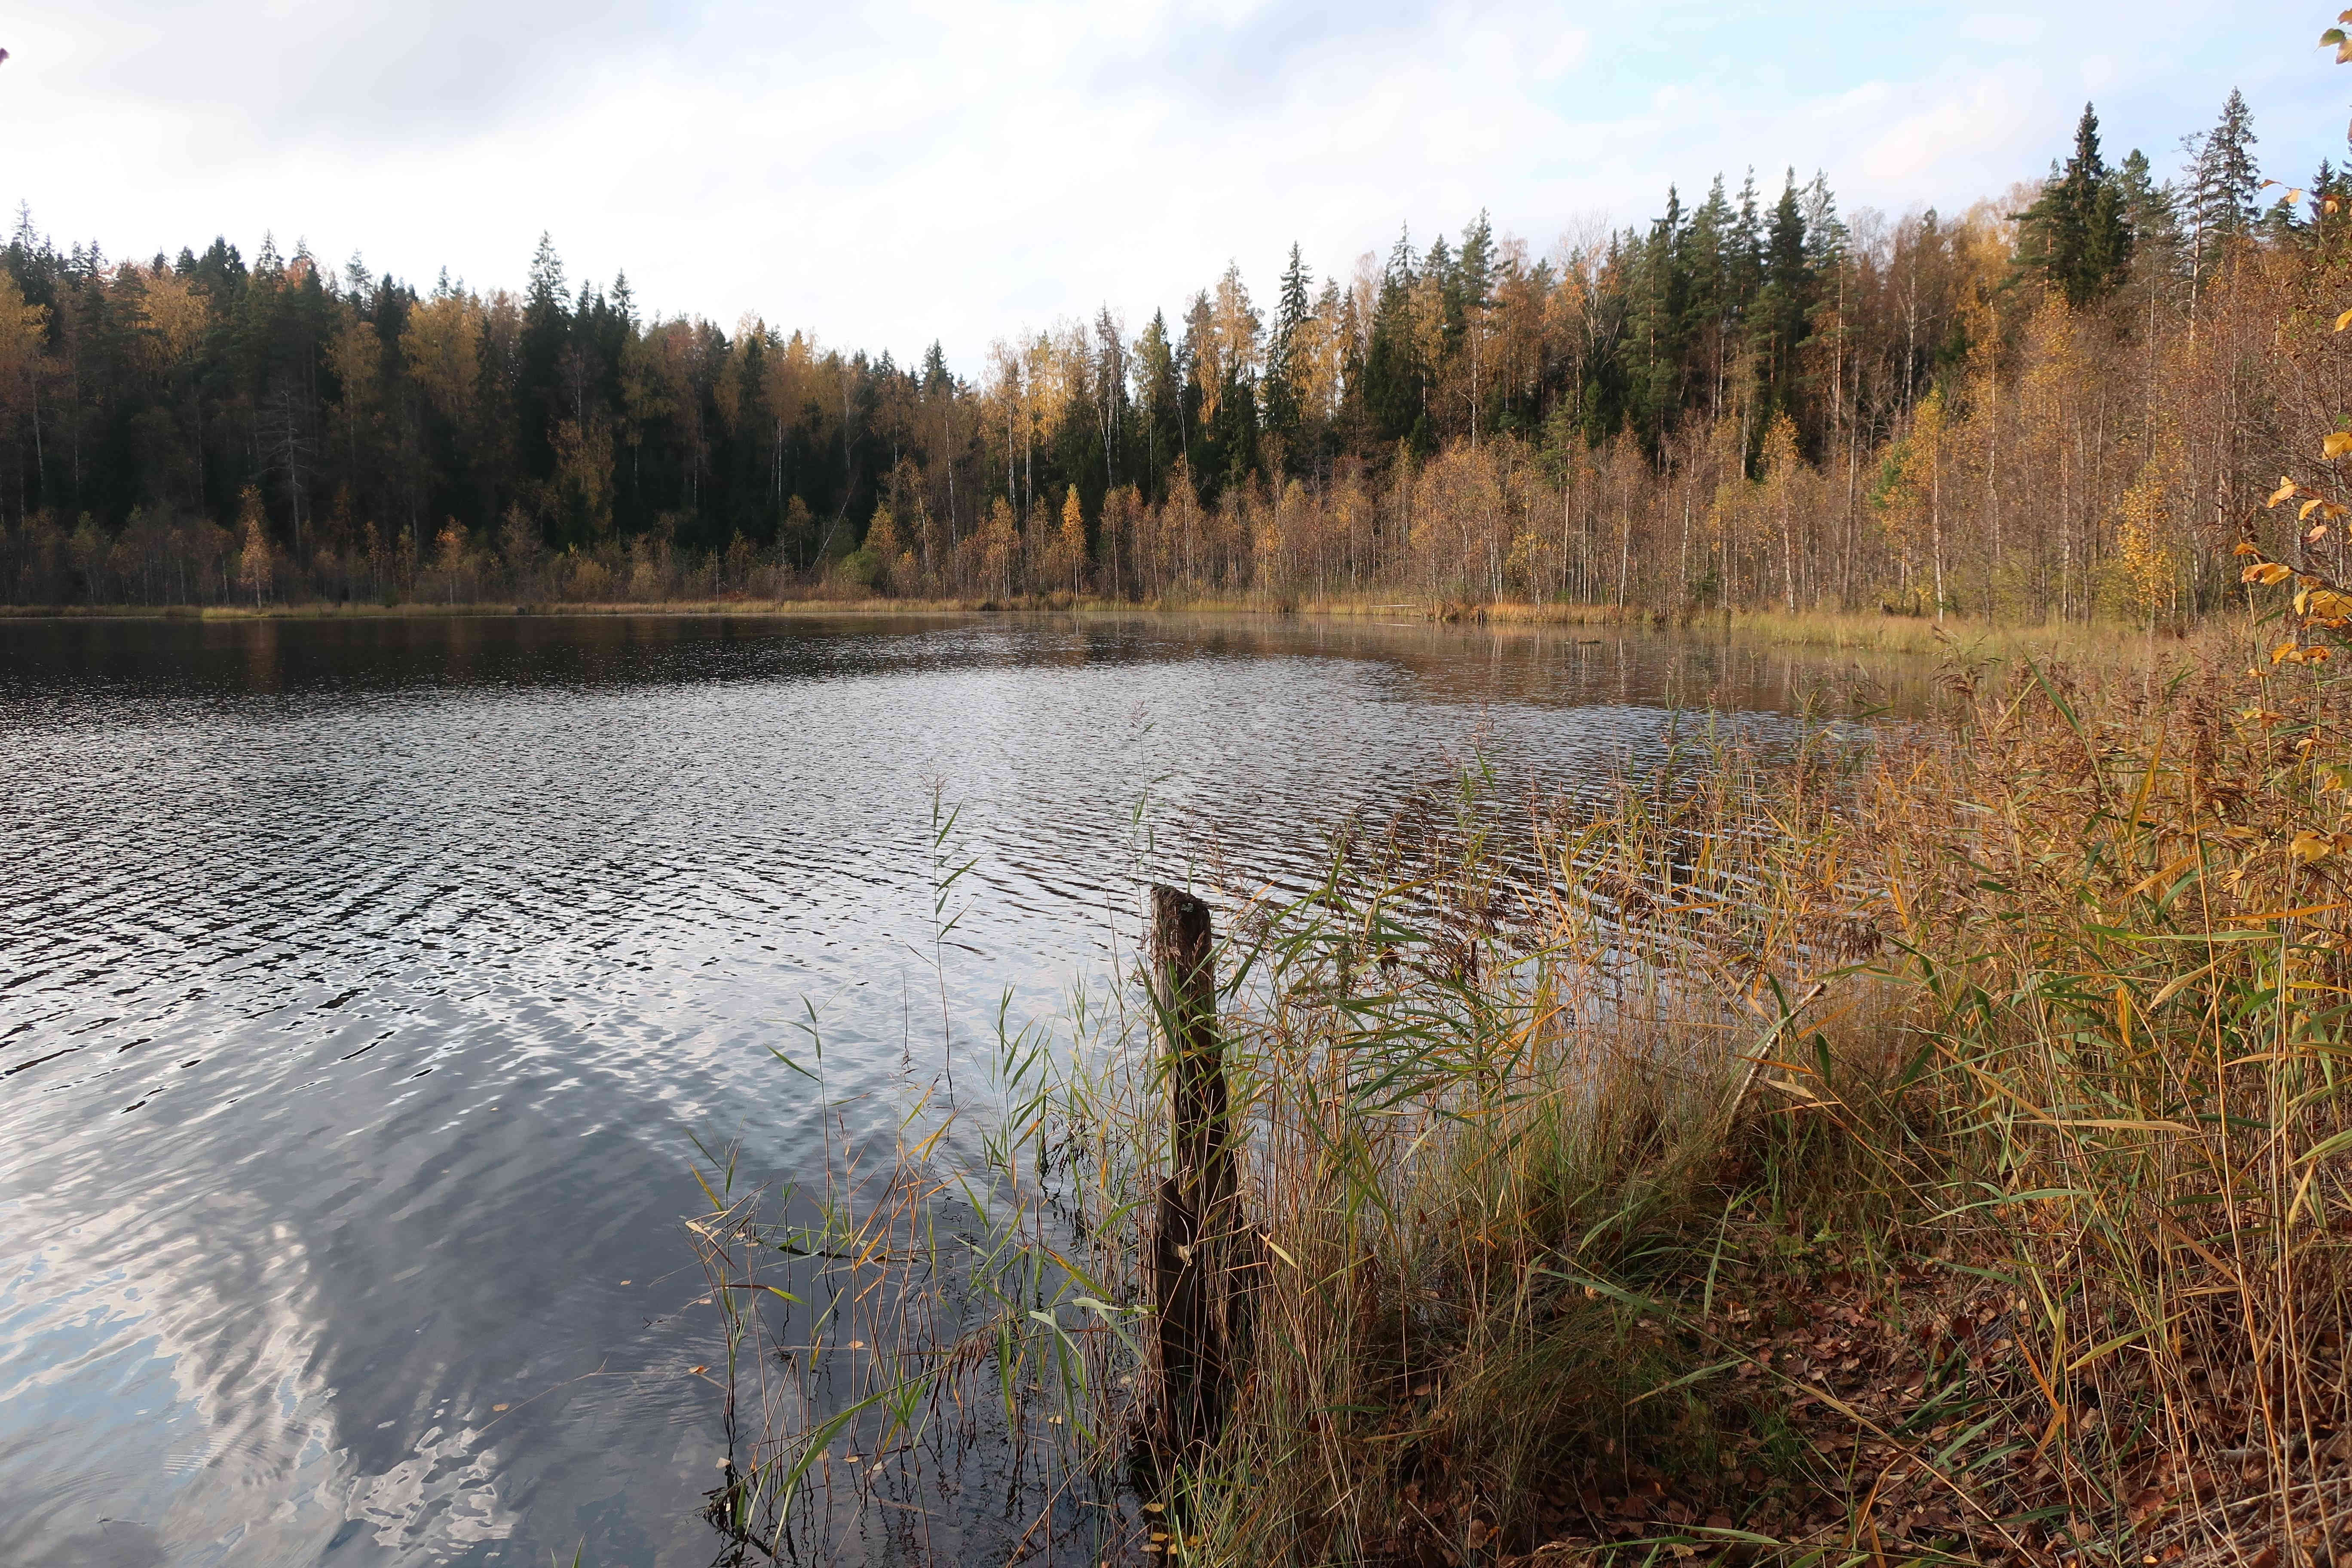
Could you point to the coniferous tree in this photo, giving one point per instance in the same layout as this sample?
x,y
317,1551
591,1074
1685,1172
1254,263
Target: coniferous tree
x,y
2076,236
2222,183
1392,359
1283,370
1784,305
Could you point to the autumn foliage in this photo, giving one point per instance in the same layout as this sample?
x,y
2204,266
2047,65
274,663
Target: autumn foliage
x,y
2055,405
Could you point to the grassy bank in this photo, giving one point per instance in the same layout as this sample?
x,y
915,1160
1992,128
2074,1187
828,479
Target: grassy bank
x,y
1930,1149
412,610
1932,1153
1957,635
1922,1147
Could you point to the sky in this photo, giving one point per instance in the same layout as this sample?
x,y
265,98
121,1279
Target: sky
x,y
886,174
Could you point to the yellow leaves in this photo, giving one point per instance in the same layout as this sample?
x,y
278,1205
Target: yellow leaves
x,y
2323,604
2269,574
2259,716
2308,508
2245,547
2287,653
2312,847
2337,443
2287,488
2344,321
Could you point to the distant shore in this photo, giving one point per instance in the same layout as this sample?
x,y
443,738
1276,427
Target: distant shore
x,y
1844,631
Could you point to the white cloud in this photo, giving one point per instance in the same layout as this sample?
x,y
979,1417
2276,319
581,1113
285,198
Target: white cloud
x,y
2008,30
1979,113
891,172
1567,52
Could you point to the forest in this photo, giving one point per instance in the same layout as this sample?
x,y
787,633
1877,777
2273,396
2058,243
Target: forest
x,y
2064,403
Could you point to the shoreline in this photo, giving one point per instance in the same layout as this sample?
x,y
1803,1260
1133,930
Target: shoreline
x,y
1838,631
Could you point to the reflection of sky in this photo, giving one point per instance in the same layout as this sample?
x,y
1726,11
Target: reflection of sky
x,y
173,1408
811,161
367,980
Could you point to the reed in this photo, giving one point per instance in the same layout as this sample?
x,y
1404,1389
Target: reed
x,y
1922,1144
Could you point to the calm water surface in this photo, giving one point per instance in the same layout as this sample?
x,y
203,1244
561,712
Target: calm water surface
x,y
362,983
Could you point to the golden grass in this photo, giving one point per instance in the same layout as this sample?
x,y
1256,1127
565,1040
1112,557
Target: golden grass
x,y
1957,637
1931,1156
1930,1148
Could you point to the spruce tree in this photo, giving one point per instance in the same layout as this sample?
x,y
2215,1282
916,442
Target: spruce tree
x,y
1785,303
2223,182
1707,301
1392,371
2076,235
2151,216
1747,249
1282,367
1654,318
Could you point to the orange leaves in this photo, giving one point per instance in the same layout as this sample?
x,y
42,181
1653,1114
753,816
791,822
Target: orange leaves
x,y
2287,490
2246,547
2267,572
2338,442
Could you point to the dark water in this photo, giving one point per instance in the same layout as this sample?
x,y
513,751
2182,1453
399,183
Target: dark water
x,y
362,983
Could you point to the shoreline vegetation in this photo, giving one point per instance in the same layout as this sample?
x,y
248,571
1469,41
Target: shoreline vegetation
x,y
1929,1145
2049,407
1877,632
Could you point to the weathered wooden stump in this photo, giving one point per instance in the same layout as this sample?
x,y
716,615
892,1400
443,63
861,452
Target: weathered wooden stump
x,y
1198,1262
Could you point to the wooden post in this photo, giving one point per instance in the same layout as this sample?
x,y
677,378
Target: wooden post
x,y
1194,1255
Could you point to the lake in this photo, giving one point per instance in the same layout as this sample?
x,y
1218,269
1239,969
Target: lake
x,y
362,983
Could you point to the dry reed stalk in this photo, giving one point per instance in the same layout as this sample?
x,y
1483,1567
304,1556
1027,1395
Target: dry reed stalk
x,y
2022,1235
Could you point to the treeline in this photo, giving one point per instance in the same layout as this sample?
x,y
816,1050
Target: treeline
x,y
2054,406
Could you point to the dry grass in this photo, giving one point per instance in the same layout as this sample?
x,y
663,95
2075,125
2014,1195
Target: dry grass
x,y
2098,643
1923,1150
2023,1238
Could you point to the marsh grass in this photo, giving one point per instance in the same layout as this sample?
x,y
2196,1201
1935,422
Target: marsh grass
x,y
1922,1145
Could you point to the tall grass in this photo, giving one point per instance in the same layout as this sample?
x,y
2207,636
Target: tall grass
x,y
1925,1145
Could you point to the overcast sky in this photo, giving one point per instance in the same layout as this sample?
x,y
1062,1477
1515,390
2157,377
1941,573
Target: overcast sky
x,y
884,174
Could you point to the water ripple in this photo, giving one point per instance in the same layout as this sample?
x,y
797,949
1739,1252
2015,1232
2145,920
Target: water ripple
x,y
361,980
